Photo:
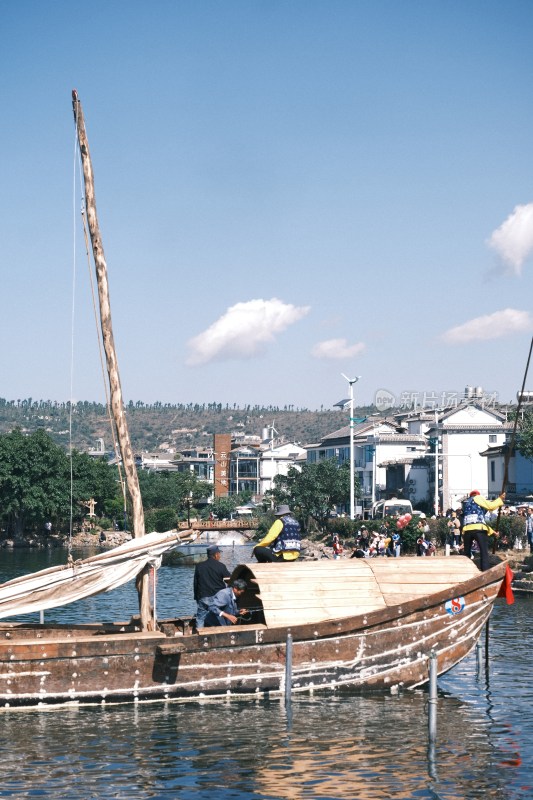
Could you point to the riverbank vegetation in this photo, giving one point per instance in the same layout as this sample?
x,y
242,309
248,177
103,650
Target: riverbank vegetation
x,y
46,492
43,489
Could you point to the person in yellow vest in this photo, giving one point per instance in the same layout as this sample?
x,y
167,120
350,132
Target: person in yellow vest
x,y
283,540
475,526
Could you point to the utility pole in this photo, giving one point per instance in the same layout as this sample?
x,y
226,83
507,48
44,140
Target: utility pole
x,y
351,381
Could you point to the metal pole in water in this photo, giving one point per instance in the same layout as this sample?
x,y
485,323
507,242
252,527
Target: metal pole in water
x,y
478,658
154,579
288,669
432,702
41,616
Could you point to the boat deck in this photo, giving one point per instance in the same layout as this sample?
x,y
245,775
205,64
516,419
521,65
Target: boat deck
x,y
312,591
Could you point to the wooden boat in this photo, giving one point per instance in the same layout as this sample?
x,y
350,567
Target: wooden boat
x,y
358,624
363,624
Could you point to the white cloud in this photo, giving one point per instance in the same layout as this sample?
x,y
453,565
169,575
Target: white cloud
x,y
513,240
490,326
337,348
243,331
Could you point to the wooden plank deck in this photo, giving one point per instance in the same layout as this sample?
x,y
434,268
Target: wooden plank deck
x,y
308,592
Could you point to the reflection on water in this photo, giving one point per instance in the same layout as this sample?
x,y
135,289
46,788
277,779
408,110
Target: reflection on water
x,y
354,747
373,748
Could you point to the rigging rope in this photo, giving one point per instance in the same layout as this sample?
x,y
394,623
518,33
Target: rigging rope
x,y
510,447
513,436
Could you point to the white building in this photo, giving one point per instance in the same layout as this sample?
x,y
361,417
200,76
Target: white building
x,y
462,434
156,462
502,463
276,460
401,454
385,459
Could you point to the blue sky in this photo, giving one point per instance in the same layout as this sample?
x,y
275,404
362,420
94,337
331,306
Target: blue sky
x,y
286,191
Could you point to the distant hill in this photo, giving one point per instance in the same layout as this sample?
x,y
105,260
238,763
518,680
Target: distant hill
x,y
165,426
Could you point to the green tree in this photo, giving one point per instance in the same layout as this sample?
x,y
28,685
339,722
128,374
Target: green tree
x,y
114,511
224,506
524,439
95,478
171,489
158,489
35,483
315,490
192,488
161,519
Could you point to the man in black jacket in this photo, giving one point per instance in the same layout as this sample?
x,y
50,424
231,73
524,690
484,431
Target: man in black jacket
x,y
209,578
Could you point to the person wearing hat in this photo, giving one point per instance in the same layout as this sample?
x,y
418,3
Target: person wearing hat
x,y
474,525
283,540
209,577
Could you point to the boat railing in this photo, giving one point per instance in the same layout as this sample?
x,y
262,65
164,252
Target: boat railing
x,y
220,525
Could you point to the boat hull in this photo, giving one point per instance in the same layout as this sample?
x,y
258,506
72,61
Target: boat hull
x,y
387,649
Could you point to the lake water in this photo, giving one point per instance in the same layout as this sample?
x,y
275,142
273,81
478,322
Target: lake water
x,y
321,747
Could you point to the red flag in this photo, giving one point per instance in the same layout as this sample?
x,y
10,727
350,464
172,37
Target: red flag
x,y
506,589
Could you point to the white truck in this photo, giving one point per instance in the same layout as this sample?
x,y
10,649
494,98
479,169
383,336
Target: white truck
x,y
394,507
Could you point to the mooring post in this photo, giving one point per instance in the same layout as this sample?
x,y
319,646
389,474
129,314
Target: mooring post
x,y
432,703
154,596
478,658
288,668
41,616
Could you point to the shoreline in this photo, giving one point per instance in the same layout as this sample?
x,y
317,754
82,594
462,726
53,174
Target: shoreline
x,y
520,561
78,541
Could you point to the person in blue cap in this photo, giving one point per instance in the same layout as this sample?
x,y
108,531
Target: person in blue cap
x,y
210,577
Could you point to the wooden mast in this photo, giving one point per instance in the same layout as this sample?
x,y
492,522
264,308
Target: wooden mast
x,y
117,404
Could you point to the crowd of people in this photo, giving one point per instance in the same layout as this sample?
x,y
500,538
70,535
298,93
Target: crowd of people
x,y
469,528
383,542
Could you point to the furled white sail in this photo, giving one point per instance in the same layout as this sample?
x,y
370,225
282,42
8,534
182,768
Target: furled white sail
x,y
58,586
